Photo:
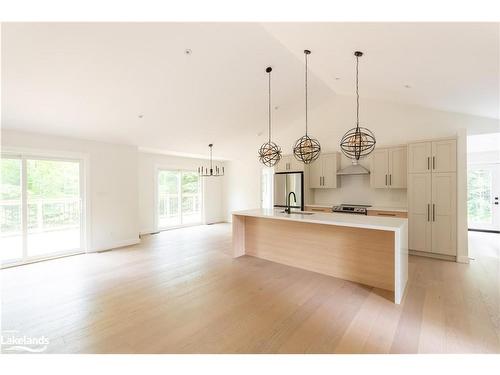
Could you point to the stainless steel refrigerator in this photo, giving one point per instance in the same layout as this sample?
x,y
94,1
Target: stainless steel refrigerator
x,y
286,182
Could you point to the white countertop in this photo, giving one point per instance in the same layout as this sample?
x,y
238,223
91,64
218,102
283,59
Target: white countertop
x,y
340,219
373,208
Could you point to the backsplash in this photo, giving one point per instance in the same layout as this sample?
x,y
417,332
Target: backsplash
x,y
356,190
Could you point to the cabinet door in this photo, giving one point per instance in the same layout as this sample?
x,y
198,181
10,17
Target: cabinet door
x,y
295,165
283,164
444,156
397,167
379,169
419,212
419,157
316,174
329,171
444,213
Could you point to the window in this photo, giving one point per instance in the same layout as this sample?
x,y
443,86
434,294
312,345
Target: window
x,y
40,208
179,199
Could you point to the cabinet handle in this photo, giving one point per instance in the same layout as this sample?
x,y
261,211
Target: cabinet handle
x,y
320,184
381,214
385,180
323,180
433,212
428,212
433,162
390,179
428,162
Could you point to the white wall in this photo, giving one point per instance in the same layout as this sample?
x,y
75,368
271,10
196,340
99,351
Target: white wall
x,y
149,164
112,215
242,189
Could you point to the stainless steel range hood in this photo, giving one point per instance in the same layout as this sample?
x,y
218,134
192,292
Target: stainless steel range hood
x,y
354,169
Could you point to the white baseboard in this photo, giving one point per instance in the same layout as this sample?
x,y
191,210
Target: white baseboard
x,y
462,259
116,245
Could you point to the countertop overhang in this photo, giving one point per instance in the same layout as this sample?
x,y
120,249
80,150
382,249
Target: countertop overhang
x,y
340,219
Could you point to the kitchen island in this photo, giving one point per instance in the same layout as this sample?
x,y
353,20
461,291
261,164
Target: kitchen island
x,y
369,250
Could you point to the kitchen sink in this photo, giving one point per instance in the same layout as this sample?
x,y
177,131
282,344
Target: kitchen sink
x,y
298,213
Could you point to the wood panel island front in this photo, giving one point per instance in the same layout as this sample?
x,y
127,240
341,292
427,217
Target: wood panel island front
x,y
369,250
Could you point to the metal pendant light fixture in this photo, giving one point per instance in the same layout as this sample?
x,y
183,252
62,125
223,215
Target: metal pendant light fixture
x,y
269,152
358,142
306,149
210,171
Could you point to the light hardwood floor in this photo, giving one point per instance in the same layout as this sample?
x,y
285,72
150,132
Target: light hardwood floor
x,y
181,292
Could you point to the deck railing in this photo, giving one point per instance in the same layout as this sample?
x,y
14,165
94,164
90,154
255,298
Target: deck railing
x,y
43,215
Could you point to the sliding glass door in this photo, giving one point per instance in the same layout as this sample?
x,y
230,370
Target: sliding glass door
x,y
179,199
40,208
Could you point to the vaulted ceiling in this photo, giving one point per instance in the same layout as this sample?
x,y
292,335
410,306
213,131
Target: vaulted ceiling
x,y
135,83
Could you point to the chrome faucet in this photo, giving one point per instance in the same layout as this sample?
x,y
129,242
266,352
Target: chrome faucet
x,y
288,209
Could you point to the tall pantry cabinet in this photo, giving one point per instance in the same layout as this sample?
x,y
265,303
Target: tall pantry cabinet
x,y
432,197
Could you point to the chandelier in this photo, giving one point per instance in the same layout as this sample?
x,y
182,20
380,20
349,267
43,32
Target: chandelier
x,y
358,142
269,152
211,171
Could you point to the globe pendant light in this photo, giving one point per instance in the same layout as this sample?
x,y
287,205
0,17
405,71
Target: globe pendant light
x,y
210,171
269,152
358,142
306,149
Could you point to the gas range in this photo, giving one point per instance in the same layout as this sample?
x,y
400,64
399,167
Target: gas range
x,y
360,209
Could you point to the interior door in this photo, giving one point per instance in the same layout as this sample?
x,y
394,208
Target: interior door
x,y
419,157
483,193
397,167
378,169
419,211
444,213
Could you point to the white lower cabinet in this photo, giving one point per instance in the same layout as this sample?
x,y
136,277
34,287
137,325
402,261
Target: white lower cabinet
x,y
444,213
432,212
419,212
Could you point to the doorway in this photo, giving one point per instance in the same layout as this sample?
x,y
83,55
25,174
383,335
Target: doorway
x,y
483,182
40,208
178,199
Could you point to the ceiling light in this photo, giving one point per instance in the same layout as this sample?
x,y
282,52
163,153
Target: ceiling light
x,y
358,142
188,51
210,171
306,149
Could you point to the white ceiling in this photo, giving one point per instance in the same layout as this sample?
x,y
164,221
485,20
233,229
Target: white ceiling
x,y
92,80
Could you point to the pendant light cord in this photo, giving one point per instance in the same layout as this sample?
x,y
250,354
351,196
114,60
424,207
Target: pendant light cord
x,y
357,93
306,91
269,108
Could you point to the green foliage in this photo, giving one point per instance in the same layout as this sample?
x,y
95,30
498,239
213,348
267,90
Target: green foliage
x,y
479,196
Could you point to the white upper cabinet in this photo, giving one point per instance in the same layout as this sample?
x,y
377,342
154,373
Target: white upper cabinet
x,y
323,172
288,163
435,156
444,156
379,168
397,167
419,157
388,168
